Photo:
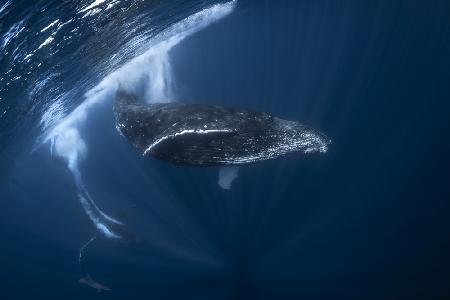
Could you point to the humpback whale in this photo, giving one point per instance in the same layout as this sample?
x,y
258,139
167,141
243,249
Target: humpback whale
x,y
210,135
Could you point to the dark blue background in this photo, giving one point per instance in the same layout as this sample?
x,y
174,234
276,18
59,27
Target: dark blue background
x,y
368,220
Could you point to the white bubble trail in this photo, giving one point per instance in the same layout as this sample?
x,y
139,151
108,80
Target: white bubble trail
x,y
150,72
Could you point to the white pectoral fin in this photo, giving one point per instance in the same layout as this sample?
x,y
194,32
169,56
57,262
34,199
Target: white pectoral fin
x,y
226,176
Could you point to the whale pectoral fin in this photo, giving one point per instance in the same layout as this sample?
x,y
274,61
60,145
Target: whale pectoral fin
x,y
227,175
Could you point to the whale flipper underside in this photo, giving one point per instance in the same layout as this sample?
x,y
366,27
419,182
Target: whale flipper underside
x,y
210,135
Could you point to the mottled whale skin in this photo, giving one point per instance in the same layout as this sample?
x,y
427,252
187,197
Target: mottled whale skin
x,y
210,135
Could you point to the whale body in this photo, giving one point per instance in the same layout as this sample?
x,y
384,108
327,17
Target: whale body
x,y
210,135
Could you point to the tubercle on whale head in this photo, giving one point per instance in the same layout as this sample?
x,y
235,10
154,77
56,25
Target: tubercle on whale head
x,y
296,137
319,143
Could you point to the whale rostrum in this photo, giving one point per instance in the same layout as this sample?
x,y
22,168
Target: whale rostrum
x,y
208,135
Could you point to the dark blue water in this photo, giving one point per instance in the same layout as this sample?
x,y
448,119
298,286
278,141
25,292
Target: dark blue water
x,y
367,220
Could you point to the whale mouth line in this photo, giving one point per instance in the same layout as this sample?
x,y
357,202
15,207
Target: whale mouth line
x,y
185,132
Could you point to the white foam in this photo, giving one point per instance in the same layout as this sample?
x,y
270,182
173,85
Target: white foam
x,y
111,5
92,5
13,32
69,145
56,111
50,25
92,12
101,227
150,71
5,6
46,42
28,56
